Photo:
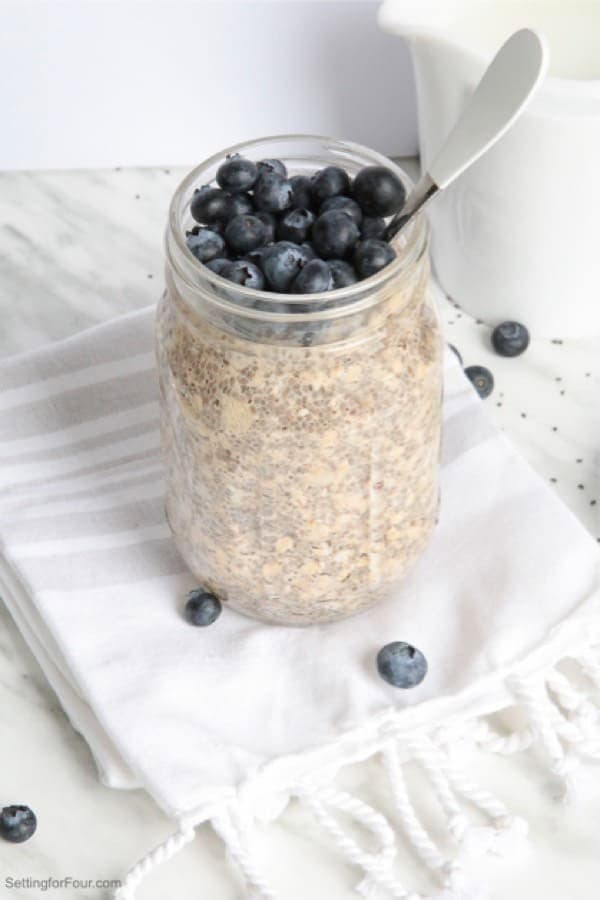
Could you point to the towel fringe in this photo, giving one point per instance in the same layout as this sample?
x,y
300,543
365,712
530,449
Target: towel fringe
x,y
185,834
562,722
229,823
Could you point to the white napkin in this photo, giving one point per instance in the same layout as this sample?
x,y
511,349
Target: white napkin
x,y
225,723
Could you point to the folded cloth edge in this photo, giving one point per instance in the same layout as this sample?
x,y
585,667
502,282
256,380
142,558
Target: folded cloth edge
x,y
563,725
562,722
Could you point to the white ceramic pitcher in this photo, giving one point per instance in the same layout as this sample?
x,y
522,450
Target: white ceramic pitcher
x,y
517,236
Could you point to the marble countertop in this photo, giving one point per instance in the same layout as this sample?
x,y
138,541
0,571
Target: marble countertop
x,y
81,247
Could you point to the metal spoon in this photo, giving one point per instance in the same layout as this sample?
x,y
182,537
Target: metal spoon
x,y
508,84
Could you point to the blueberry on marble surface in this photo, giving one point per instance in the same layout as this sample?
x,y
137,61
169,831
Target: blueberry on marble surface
x,y
17,824
273,193
342,272
205,244
245,273
202,608
334,234
510,339
210,205
329,182
281,263
371,256
302,197
269,166
313,278
244,233
378,191
295,225
236,174
346,204
481,379
401,665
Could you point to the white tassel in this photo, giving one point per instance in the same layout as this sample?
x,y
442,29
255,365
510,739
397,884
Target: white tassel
x,y
508,831
430,758
425,848
506,744
162,853
377,866
229,825
583,714
545,717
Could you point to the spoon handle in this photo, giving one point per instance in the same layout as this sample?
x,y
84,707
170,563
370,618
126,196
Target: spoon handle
x,y
507,85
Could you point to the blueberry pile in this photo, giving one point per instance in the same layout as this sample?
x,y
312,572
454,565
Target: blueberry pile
x,y
263,229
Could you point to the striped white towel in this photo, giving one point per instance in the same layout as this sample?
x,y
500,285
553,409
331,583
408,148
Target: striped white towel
x,y
236,718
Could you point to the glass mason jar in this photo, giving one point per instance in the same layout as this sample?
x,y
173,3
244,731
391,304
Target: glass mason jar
x,y
301,432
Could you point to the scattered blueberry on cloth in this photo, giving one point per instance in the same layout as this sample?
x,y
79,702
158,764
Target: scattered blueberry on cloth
x,y
17,823
201,717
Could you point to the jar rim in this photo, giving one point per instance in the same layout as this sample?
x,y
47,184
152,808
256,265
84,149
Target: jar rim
x,y
416,235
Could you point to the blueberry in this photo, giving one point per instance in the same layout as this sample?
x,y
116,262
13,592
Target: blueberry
x,y
268,220
371,255
217,227
210,205
255,256
343,273
401,665
217,265
313,278
244,233
236,174
281,263
510,339
346,204
301,192
243,272
481,379
202,608
241,205
295,225
329,182
205,244
309,250
334,234
379,191
17,824
373,227
456,353
273,193
276,166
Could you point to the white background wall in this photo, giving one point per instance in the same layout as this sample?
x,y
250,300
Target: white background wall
x,y
116,82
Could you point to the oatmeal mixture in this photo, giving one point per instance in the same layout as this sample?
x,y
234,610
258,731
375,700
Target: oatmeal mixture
x,y
302,482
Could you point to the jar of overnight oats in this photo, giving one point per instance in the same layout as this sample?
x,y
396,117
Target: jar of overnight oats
x,y
301,433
